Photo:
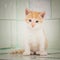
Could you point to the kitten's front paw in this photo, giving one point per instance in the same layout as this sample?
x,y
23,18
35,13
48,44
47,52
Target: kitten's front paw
x,y
38,52
26,53
44,53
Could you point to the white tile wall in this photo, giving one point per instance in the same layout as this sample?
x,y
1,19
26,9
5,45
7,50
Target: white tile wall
x,y
5,34
55,8
20,9
7,9
11,15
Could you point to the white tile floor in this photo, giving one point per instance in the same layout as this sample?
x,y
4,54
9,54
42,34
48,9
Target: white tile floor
x,y
55,56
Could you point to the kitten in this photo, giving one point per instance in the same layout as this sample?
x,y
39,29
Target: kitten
x,y
35,41
35,38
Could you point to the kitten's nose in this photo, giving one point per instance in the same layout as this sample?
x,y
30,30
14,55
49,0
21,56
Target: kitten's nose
x,y
33,24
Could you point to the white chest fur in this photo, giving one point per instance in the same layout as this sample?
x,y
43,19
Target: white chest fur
x,y
34,38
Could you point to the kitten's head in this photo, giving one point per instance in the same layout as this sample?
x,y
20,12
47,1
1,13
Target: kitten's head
x,y
34,19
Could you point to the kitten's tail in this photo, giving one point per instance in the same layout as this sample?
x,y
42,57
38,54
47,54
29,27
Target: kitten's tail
x,y
20,51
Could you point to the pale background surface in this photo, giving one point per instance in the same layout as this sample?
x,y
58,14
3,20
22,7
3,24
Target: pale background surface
x,y
12,16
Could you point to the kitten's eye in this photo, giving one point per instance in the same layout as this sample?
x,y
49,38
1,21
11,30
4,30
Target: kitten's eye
x,y
37,21
30,20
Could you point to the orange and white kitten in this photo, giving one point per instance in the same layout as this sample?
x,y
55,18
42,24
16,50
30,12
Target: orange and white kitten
x,y
35,39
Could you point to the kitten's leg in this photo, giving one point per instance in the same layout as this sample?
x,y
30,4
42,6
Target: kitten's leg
x,y
27,50
43,53
42,47
26,45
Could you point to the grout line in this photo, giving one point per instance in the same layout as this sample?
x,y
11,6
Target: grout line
x,y
7,48
51,7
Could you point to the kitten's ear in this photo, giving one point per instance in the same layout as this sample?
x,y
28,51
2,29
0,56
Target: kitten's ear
x,y
27,11
42,14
